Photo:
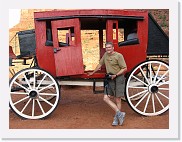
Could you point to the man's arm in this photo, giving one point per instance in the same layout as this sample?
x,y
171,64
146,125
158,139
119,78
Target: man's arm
x,y
96,69
119,73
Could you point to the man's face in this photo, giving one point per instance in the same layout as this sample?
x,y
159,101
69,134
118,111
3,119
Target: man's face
x,y
109,48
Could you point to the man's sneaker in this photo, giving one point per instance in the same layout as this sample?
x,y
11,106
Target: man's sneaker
x,y
121,116
115,121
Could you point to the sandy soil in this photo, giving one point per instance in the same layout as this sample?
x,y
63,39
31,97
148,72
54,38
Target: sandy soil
x,y
79,108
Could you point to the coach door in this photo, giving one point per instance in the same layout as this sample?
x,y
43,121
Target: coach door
x,y
67,47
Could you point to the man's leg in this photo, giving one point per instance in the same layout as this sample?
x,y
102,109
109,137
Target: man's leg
x,y
120,115
114,107
110,103
118,102
120,86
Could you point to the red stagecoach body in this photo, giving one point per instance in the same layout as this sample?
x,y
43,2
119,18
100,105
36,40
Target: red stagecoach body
x,y
68,60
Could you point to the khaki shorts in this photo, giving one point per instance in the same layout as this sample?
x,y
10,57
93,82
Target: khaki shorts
x,y
115,87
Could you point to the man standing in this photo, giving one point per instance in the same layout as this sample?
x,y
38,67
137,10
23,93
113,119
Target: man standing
x,y
115,67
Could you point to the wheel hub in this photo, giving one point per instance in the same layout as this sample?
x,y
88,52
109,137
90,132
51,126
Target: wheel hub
x,y
33,94
153,88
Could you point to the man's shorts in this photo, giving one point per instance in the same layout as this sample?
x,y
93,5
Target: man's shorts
x,y
115,87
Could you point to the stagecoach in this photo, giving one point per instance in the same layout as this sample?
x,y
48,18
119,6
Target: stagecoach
x,y
56,47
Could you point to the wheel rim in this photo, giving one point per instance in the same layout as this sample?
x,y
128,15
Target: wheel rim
x,y
30,95
147,88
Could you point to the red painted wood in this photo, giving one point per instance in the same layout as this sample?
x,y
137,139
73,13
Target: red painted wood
x,y
109,31
99,74
88,12
45,54
11,53
68,60
135,54
102,49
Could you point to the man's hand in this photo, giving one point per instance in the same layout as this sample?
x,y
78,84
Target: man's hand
x,y
96,69
113,76
90,73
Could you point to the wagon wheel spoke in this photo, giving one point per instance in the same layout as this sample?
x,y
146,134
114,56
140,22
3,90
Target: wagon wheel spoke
x,y
43,112
153,103
146,104
157,72
19,93
159,100
21,100
27,81
144,75
147,88
46,87
48,94
166,89
34,79
137,87
138,94
141,99
139,80
162,77
28,104
49,89
46,101
41,81
33,106
21,86
160,84
150,72
163,95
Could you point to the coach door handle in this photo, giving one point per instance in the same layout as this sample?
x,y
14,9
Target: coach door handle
x,y
57,49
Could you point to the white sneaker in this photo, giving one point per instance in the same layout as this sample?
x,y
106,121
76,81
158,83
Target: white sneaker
x,y
121,117
115,121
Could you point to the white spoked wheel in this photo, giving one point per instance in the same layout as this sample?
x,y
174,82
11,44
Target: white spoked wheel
x,y
147,88
34,93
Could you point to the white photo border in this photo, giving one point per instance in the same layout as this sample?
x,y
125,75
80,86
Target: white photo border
x,y
171,133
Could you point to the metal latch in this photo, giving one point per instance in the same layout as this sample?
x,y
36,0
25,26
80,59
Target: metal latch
x,y
56,50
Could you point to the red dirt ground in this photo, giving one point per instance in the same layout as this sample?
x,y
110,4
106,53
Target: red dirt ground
x,y
79,108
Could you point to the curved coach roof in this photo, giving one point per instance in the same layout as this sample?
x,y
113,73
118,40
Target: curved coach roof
x,y
92,13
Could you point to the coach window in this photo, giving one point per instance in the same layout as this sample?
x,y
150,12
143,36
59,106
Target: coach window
x,y
131,30
49,41
128,34
121,34
66,36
